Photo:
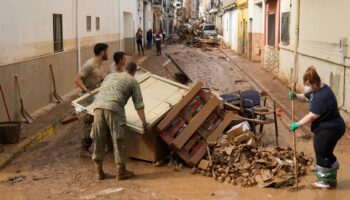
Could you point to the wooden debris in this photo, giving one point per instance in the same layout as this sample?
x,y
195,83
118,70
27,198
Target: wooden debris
x,y
240,160
203,164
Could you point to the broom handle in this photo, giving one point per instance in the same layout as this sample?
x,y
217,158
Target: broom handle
x,y
294,141
3,98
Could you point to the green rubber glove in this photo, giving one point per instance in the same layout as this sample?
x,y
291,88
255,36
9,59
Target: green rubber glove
x,y
291,95
294,126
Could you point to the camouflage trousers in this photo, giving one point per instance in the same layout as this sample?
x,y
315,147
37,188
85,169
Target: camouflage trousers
x,y
86,140
107,124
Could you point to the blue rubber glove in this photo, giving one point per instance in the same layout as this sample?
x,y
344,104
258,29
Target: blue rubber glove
x,y
291,95
294,126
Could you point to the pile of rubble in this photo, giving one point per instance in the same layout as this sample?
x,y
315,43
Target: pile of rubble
x,y
238,159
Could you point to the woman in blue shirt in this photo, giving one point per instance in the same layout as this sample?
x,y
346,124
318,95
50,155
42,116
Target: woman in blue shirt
x,y
326,124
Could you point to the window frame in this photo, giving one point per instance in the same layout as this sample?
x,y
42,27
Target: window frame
x,y
88,23
97,23
57,32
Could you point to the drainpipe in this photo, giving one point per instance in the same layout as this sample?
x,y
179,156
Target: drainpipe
x,y
343,45
296,42
78,34
120,26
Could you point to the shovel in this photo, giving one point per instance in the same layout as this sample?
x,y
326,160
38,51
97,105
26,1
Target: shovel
x,y
3,99
55,94
24,113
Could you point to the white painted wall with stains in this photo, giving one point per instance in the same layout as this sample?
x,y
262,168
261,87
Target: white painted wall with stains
x,y
26,27
322,24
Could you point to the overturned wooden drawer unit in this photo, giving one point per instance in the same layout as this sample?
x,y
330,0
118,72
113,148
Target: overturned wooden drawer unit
x,y
159,96
195,121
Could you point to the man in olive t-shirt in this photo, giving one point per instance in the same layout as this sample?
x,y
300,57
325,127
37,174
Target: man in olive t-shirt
x,y
89,78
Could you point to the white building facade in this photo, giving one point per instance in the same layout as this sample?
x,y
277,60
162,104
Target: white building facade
x,y
61,33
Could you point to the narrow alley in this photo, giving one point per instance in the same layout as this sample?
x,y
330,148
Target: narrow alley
x,y
52,169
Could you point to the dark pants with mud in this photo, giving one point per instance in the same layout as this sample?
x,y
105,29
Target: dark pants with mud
x,y
86,140
107,123
159,47
324,142
139,46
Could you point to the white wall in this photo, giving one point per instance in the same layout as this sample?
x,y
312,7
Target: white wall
x,y
226,32
321,26
25,32
28,30
234,25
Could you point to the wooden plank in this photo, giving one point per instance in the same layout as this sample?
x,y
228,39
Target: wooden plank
x,y
178,107
196,122
220,129
148,147
204,133
191,142
200,152
178,67
174,129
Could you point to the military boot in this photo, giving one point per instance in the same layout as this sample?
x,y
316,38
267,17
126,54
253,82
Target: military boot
x,y
122,173
99,170
84,152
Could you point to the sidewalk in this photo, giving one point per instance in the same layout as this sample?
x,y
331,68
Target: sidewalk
x,y
274,87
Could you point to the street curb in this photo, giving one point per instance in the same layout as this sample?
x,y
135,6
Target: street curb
x,y
278,102
25,144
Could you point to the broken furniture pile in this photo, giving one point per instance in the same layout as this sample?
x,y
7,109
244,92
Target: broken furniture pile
x,y
196,120
195,129
238,159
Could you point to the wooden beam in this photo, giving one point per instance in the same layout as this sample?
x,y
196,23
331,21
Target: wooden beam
x,y
220,129
196,122
178,107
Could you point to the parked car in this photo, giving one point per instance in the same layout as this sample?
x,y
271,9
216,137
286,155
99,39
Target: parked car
x,y
209,30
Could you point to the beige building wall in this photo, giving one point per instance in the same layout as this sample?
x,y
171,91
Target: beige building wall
x,y
26,45
321,27
255,29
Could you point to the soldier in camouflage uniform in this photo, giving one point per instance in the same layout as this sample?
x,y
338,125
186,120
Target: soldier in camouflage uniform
x,y
89,78
109,113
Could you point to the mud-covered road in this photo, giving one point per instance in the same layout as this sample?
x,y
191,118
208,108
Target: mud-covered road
x,y
52,168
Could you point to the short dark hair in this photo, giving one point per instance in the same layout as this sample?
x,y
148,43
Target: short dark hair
x,y
99,47
131,67
118,56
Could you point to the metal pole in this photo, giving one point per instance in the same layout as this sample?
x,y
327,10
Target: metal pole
x,y
78,34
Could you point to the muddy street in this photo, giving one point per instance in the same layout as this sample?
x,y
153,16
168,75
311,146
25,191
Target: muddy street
x,y
52,168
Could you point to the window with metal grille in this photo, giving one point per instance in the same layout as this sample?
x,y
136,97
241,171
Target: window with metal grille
x,y
285,28
88,23
271,29
97,23
57,33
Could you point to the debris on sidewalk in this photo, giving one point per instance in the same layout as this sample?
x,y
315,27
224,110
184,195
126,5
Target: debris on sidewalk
x,y
238,159
13,180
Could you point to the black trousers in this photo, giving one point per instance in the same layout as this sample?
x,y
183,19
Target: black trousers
x,y
139,46
325,141
159,47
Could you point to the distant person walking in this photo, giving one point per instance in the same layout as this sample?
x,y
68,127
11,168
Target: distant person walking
x,y
139,41
149,39
158,40
163,35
